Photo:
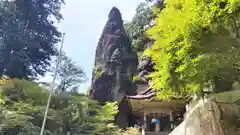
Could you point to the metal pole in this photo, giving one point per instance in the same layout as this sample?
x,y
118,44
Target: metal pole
x,y
52,87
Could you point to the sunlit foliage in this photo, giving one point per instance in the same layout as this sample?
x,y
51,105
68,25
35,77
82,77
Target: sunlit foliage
x,y
23,105
196,43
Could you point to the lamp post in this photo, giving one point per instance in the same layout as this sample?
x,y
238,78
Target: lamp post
x,y
52,86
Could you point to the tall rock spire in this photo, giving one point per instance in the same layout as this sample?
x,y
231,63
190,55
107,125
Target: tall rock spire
x,y
115,65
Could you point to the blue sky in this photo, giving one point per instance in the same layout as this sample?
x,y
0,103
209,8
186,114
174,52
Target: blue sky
x,y
83,23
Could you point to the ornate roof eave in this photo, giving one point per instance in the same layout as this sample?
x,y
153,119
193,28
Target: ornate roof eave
x,y
149,94
142,97
146,94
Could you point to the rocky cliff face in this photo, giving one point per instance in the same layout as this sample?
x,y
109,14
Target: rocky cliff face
x,y
115,65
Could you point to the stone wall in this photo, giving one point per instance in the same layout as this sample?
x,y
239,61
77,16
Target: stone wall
x,y
211,117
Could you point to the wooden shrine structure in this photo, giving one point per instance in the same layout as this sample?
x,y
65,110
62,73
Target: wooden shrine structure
x,y
145,107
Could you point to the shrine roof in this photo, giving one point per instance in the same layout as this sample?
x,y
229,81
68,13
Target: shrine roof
x,y
146,99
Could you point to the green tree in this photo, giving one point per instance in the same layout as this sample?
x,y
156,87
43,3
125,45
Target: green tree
x,y
73,113
136,27
28,36
69,75
141,21
196,44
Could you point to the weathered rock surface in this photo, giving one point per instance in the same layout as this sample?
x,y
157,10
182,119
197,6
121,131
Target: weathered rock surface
x,y
115,65
218,115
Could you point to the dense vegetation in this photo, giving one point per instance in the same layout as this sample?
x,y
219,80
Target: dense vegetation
x,y
196,45
29,42
136,27
142,20
28,36
22,109
193,44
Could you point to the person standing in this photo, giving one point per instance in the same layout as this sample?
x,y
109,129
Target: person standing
x,y
153,123
157,128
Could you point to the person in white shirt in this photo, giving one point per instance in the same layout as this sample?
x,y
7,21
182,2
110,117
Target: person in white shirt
x,y
153,122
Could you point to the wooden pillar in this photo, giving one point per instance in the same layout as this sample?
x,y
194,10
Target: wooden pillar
x,y
144,123
145,120
171,120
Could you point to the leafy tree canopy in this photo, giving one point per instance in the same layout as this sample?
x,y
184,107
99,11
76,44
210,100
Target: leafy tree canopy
x,y
28,36
137,26
23,108
196,44
142,20
69,74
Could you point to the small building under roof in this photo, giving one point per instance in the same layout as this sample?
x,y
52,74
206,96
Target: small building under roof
x,y
145,107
